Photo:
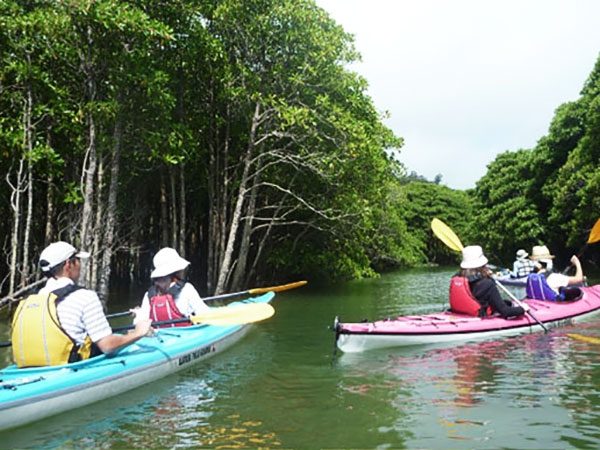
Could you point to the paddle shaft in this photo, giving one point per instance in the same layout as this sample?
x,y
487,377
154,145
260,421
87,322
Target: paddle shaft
x,y
154,324
253,291
125,328
256,291
520,304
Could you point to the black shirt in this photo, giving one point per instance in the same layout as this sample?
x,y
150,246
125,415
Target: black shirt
x,y
487,294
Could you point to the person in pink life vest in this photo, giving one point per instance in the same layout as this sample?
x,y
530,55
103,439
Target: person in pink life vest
x,y
473,290
170,296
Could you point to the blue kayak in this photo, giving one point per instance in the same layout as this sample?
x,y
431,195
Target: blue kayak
x,y
31,394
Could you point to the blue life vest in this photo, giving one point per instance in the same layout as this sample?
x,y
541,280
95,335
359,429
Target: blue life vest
x,y
539,289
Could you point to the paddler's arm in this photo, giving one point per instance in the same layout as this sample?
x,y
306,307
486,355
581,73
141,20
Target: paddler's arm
x,y
578,277
113,342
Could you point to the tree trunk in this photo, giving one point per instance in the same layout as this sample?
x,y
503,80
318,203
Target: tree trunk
x,y
245,243
164,224
29,217
173,207
111,212
97,229
182,211
90,161
88,197
49,231
15,203
224,270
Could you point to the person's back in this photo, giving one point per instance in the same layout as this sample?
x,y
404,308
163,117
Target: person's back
x,y
69,318
522,265
170,297
481,285
544,284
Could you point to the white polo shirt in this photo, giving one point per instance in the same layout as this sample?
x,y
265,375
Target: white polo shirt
x,y
80,313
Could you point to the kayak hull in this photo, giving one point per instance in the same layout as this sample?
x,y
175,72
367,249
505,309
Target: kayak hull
x,y
31,394
449,327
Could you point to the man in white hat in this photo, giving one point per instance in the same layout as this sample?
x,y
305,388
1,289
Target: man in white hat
x,y
522,266
170,297
78,319
542,253
557,282
473,290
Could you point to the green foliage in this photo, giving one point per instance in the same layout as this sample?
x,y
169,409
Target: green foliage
x,y
548,194
419,202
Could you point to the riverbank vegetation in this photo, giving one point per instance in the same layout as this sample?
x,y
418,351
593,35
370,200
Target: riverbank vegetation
x,y
237,133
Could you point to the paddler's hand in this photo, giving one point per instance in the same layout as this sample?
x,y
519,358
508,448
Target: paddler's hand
x,y
143,327
525,307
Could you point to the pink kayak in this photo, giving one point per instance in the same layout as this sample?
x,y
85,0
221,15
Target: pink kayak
x,y
448,326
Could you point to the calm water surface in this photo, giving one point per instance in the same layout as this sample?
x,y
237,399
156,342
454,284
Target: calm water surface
x,y
280,387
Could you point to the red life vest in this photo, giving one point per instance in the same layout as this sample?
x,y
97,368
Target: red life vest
x,y
163,307
462,300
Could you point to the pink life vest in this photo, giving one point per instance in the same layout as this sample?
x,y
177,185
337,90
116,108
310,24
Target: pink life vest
x,y
163,307
462,300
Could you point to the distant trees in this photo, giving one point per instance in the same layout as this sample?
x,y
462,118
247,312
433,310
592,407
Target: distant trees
x,y
229,130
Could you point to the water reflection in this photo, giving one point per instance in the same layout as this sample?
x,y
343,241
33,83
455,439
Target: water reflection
x,y
532,391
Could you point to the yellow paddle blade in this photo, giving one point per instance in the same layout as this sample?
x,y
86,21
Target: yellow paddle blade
x,y
235,314
595,233
283,287
581,337
445,234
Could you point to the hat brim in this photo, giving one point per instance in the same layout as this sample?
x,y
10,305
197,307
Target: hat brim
x,y
542,256
82,255
474,264
171,269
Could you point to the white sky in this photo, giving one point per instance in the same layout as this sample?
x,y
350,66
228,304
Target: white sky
x,y
464,80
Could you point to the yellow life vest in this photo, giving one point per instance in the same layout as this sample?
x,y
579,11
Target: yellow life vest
x,y
38,339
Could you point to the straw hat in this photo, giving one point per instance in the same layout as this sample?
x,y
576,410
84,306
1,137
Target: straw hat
x,y
541,252
167,261
59,252
473,257
522,254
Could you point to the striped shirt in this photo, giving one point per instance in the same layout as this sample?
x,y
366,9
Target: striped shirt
x,y
80,313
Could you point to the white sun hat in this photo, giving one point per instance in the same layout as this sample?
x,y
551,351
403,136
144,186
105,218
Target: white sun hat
x,y
57,253
167,261
522,254
473,257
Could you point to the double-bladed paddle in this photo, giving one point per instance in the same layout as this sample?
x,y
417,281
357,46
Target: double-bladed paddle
x,y
224,315
445,234
253,291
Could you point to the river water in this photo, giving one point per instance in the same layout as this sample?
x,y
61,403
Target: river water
x,y
281,386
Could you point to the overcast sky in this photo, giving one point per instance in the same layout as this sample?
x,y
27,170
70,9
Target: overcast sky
x,y
464,80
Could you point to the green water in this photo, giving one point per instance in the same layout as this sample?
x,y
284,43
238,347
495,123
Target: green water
x,y
280,387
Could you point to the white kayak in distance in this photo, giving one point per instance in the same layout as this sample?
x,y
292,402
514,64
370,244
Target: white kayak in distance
x,y
450,327
31,394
